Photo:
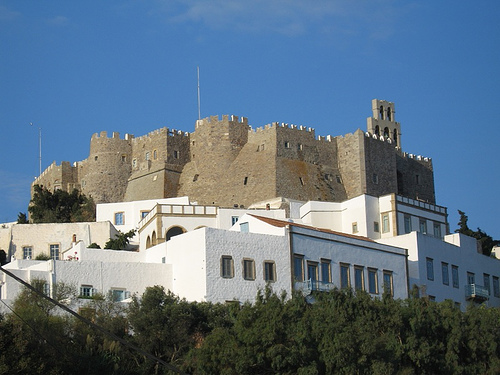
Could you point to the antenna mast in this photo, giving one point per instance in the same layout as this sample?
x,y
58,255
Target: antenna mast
x,y
199,113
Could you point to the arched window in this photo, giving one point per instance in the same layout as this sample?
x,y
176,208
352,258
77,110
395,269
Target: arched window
x,y
395,137
386,132
381,112
153,238
377,130
148,243
388,113
174,231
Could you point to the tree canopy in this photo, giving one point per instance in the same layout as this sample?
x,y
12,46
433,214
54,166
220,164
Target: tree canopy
x,y
485,241
60,206
120,241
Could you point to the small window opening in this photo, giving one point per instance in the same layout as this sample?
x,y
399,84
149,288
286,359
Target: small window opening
x,y
386,132
195,178
301,181
245,181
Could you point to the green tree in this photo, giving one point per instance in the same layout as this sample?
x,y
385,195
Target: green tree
x,y
485,241
120,241
60,206
22,219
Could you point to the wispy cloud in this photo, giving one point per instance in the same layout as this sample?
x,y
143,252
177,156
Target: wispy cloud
x,y
286,17
58,21
7,14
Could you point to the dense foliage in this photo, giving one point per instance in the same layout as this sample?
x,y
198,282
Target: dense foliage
x,y
340,333
60,206
485,241
120,241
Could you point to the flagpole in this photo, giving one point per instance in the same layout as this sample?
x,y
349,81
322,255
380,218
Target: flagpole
x,y
39,147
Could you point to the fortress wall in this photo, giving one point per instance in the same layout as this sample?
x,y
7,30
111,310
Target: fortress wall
x,y
105,173
380,166
351,163
415,177
63,176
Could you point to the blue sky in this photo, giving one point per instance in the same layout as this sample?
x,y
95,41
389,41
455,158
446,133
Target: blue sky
x,y
74,68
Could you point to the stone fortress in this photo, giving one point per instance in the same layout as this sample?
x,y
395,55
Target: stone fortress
x,y
225,162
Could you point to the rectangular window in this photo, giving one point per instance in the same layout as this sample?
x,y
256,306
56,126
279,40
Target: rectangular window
x,y
354,227
248,269
437,230
454,276
312,271
430,268
148,155
287,144
359,278
372,281
444,273
54,251
86,291
486,282
119,294
245,180
471,278
496,286
388,283
326,274
234,219
376,227
27,252
227,267
423,226
385,223
119,218
301,181
155,154
375,178
144,214
177,154
407,220
338,178
269,271
298,267
345,281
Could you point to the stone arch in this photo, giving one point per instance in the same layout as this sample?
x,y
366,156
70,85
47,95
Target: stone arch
x,y
386,132
395,137
174,231
377,130
381,111
153,238
388,117
200,226
148,242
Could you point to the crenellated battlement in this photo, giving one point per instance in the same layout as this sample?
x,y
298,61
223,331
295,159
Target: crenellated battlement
x,y
161,132
115,135
225,120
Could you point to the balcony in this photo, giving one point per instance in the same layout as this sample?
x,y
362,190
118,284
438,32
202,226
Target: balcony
x,y
476,293
308,286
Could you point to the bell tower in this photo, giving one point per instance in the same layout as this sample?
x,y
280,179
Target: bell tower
x,y
383,122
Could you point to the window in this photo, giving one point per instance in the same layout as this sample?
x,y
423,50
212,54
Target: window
x,y
148,155
227,267
234,219
496,286
407,220
486,282
454,276
417,179
388,283
444,273
359,278
27,252
429,262
437,230
119,218
54,251
177,154
372,281
298,267
345,281
144,214
385,223
301,181
339,180
376,227
269,271
155,154
300,147
312,272
471,278
326,274
423,226
375,178
134,163
245,181
119,294
86,291
195,177
124,158
95,158
244,228
287,144
248,269
354,227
